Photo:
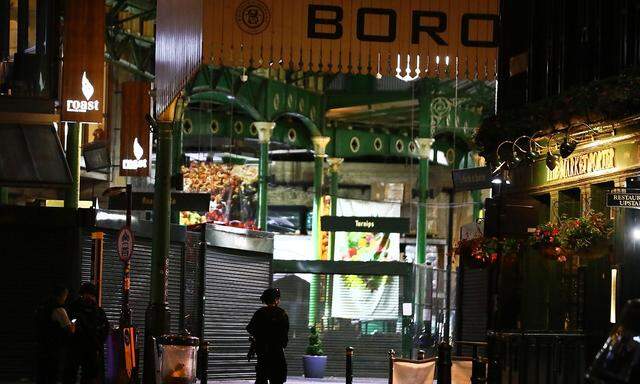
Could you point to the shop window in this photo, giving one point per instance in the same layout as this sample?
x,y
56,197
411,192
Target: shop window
x,y
544,214
569,202
25,35
599,197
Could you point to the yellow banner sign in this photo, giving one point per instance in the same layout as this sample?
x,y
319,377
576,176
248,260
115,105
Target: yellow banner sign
x,y
582,164
403,38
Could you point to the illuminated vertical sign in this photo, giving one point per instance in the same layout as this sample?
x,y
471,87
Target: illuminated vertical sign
x,y
82,96
135,147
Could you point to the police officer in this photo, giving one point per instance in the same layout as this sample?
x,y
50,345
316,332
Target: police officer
x,y
87,343
269,327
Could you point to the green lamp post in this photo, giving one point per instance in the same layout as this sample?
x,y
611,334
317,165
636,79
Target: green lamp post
x,y
265,130
319,146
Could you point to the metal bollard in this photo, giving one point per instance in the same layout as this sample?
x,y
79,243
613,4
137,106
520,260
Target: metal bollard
x,y
478,370
349,365
493,368
422,355
203,362
444,363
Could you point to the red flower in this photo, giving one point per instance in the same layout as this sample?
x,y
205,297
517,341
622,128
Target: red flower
x,y
555,232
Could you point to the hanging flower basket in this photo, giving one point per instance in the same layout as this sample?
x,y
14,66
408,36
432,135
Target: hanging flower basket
x,y
478,253
511,248
587,236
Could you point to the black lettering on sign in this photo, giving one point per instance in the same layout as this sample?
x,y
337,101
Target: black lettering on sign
x,y
391,16
467,18
432,30
314,20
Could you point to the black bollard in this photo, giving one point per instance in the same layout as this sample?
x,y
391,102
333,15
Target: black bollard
x,y
349,366
203,362
493,367
478,370
444,363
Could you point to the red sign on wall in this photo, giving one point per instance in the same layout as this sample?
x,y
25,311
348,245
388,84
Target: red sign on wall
x,y
135,147
83,61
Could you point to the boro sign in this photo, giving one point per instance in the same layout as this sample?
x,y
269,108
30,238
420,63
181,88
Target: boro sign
x,y
83,62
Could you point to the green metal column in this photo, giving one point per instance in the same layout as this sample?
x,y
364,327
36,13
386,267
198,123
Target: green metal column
x,y
157,315
265,129
320,146
424,143
334,166
177,162
74,141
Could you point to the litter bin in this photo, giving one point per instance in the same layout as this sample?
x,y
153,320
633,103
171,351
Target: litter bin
x,y
176,359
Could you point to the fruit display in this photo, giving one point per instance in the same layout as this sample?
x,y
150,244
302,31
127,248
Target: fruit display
x,y
233,190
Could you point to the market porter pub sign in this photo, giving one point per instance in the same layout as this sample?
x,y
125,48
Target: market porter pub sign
x,y
583,164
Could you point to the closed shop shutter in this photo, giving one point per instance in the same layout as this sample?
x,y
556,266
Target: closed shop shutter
x,y
371,340
473,306
139,294
234,282
193,255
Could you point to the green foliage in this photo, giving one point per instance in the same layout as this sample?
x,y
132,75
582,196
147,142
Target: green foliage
x,y
315,344
585,232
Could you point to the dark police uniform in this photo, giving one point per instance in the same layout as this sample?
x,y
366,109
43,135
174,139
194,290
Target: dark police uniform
x,y
270,328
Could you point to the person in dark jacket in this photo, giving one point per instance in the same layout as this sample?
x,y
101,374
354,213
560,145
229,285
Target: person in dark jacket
x,y
53,330
269,327
86,347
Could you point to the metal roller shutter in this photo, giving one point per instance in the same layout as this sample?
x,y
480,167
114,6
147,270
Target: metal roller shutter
x,y
139,295
233,285
191,297
370,357
174,286
472,308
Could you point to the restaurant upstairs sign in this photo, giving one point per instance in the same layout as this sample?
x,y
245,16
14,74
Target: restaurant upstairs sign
x,y
406,37
83,61
583,164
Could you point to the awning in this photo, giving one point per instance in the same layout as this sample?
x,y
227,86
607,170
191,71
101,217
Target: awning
x,y
32,156
407,39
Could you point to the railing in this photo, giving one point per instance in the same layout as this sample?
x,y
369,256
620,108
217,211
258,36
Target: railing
x,y
536,357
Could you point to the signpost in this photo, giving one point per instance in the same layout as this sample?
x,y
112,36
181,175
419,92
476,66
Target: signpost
x,y
624,198
471,179
143,201
364,224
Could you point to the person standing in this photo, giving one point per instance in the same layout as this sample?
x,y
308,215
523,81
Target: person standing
x,y
86,349
53,331
269,327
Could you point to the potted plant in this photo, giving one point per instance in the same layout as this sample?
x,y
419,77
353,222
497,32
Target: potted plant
x,y
314,361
